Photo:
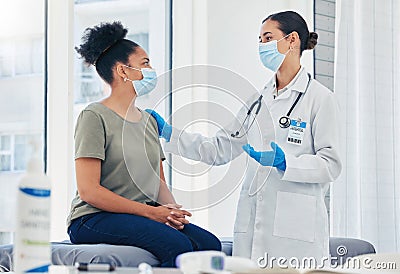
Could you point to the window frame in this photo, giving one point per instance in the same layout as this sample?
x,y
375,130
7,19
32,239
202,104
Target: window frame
x,y
11,62
11,150
7,152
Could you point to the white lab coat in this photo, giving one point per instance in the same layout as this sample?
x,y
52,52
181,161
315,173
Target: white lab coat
x,y
287,216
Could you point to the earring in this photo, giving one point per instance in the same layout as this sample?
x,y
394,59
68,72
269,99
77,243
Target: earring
x,y
125,79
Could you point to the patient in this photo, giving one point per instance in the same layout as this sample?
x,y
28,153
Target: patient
x,y
122,196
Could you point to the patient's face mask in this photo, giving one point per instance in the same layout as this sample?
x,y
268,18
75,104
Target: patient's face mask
x,y
270,55
145,85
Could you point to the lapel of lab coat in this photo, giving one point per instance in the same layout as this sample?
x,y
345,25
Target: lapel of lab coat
x,y
299,85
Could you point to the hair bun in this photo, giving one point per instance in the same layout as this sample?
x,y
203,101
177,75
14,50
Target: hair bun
x,y
98,39
312,40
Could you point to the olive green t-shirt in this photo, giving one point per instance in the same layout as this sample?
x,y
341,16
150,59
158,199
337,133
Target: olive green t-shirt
x,y
130,154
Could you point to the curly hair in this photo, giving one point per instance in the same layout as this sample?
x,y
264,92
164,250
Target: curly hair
x,y
104,45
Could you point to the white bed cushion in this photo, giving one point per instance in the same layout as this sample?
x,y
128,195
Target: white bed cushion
x,y
66,253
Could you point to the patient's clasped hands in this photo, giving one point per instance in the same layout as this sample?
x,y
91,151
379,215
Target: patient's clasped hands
x,y
177,217
171,215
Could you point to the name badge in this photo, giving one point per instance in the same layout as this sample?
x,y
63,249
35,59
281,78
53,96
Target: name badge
x,y
296,132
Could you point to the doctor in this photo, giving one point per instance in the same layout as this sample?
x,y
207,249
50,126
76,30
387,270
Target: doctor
x,y
281,210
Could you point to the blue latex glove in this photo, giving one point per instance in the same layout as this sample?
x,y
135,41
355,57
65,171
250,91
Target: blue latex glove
x,y
274,157
164,129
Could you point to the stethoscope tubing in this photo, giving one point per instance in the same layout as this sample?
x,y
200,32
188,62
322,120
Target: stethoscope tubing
x,y
284,121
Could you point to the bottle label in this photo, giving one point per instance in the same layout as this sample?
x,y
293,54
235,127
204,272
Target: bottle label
x,y
32,246
35,192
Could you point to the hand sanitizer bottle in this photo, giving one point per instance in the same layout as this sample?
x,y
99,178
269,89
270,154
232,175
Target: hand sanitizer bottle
x,y
32,250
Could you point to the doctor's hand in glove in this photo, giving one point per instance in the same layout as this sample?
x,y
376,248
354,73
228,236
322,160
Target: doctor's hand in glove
x,y
274,157
164,129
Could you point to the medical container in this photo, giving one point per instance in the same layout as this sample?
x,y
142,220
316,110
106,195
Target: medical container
x,y
31,246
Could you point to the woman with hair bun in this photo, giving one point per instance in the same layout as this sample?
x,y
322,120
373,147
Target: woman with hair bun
x,y
122,195
281,210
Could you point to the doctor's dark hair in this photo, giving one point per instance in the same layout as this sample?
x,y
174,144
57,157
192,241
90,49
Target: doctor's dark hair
x,y
103,46
290,21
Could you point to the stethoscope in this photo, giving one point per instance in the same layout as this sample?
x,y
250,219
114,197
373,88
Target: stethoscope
x,y
253,105
284,121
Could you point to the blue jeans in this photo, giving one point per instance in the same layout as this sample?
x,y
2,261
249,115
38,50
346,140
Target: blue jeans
x,y
162,241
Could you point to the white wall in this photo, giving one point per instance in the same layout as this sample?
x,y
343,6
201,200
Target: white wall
x,y
59,117
222,33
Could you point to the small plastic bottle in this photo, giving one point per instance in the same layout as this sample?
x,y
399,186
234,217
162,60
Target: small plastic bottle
x,y
32,250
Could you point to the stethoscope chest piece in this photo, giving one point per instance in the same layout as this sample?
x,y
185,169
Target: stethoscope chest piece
x,y
284,122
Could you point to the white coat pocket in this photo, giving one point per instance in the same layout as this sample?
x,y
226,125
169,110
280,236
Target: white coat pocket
x,y
295,216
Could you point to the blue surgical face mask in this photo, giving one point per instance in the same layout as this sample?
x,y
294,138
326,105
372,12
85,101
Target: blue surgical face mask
x,y
270,55
145,85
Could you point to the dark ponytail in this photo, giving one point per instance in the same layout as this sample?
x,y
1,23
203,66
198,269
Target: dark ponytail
x,y
312,40
104,45
290,21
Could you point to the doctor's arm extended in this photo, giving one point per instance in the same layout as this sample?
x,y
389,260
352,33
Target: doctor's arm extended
x,y
217,150
322,167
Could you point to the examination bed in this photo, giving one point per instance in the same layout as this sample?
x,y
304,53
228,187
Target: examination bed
x,y
65,253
